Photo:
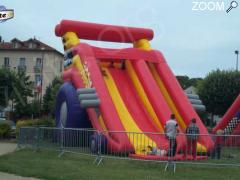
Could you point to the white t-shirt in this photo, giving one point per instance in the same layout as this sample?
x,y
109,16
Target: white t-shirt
x,y
171,128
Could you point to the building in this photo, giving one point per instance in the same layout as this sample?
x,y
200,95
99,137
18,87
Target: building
x,y
38,60
191,90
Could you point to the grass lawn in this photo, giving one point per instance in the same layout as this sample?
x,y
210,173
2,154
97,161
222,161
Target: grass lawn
x,y
46,165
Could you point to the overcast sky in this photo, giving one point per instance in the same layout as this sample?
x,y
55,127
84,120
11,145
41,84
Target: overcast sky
x,y
193,42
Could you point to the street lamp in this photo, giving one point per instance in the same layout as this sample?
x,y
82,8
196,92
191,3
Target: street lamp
x,y
237,52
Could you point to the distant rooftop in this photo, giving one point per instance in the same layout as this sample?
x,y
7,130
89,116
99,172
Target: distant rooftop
x,y
31,44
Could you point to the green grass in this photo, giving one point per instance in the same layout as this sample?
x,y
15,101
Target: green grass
x,y
47,165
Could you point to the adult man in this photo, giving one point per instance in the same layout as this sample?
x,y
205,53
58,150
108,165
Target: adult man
x,y
218,140
192,132
171,132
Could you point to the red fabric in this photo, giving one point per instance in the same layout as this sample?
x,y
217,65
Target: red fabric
x,y
39,86
136,108
107,54
235,107
177,157
152,90
102,32
219,140
107,108
181,101
233,140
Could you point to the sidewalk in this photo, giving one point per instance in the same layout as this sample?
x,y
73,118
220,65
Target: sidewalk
x,y
6,148
6,176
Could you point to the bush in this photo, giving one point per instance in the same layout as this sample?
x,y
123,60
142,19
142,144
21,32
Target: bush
x,y
5,131
46,122
9,122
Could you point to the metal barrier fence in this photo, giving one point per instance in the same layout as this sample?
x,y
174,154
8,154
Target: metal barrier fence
x,y
140,146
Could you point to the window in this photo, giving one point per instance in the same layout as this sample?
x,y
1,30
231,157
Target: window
x,y
6,61
22,62
37,79
16,45
32,45
38,62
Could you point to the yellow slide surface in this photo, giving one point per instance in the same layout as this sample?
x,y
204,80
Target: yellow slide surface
x,y
166,96
138,86
139,143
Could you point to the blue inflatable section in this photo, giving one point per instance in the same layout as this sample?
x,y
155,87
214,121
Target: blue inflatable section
x,y
68,112
238,115
98,143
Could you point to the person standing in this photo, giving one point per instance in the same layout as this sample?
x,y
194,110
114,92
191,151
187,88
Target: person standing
x,y
192,132
218,140
171,133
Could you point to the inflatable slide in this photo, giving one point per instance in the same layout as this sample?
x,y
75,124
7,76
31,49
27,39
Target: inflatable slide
x,y
121,90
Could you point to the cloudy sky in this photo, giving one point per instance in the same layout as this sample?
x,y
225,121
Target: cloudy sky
x,y
193,42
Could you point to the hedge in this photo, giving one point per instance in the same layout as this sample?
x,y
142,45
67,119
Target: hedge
x,y
5,131
47,122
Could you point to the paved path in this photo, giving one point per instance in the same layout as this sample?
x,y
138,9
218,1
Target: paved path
x,y
6,148
6,176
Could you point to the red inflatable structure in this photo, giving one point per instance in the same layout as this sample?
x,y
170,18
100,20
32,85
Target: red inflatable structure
x,y
135,88
230,123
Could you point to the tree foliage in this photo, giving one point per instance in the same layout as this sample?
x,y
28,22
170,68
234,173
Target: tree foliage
x,y
23,90
186,82
7,78
18,88
49,98
218,90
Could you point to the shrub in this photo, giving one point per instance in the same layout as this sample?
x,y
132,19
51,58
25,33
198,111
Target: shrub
x,y
9,122
46,122
5,130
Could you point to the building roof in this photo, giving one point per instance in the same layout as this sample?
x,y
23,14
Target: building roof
x,y
25,45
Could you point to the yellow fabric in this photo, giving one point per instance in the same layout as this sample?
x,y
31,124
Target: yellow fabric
x,y
71,39
101,122
142,44
138,86
140,142
167,96
86,81
83,71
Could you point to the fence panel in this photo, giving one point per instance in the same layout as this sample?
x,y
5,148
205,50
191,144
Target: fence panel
x,y
139,146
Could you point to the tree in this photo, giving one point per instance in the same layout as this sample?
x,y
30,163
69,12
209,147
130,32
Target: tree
x,y
183,81
218,90
49,98
195,81
186,82
22,89
18,88
7,78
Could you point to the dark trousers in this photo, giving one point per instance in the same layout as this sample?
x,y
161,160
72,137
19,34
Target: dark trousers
x,y
216,153
172,147
192,147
